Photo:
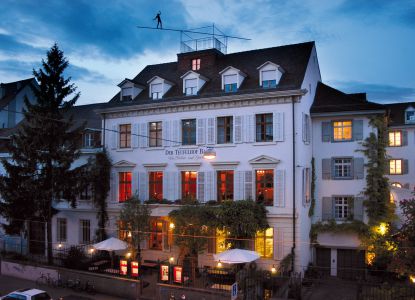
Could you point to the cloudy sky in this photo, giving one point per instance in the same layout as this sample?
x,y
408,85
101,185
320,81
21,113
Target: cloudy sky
x,y
363,46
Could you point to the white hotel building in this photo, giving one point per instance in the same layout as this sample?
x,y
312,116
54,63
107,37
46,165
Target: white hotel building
x,y
266,114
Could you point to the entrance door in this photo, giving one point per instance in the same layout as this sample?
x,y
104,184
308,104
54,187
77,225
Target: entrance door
x,y
37,237
350,263
323,257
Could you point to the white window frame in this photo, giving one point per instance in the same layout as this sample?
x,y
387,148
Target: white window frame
x,y
88,140
341,207
393,141
340,166
397,164
196,64
156,95
191,90
61,226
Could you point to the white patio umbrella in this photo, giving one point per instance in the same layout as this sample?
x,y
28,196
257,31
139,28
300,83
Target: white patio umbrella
x,y
111,244
236,256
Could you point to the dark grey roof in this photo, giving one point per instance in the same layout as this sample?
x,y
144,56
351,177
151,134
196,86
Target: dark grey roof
x,y
396,112
11,89
292,58
86,113
328,99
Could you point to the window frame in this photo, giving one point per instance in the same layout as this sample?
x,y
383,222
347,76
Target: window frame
x,y
88,140
394,144
342,210
124,186
61,230
124,136
230,87
264,182
188,132
264,236
155,185
190,182
156,141
269,84
261,126
342,139
195,64
227,129
128,96
156,95
395,160
409,113
340,168
155,234
85,231
227,183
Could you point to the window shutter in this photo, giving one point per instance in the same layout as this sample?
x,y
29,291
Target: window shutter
x,y
229,79
279,244
134,184
166,133
165,183
173,186
210,187
201,186
279,188
211,130
268,75
135,135
359,168
166,246
238,185
358,208
248,178
304,186
238,129
249,129
278,126
200,133
304,127
404,138
326,131
177,185
326,168
114,187
143,135
405,166
327,209
176,133
357,130
143,186
114,137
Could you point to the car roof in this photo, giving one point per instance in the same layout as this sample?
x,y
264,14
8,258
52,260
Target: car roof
x,y
29,292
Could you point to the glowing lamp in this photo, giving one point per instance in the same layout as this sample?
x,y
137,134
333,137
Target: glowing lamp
x,y
60,245
383,228
412,278
273,269
171,226
128,255
171,259
210,153
219,264
92,250
129,234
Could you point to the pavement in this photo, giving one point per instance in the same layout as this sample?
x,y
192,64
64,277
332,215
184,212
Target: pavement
x,y
9,284
334,288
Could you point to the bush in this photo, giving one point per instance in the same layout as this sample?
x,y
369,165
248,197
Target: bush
x,y
75,259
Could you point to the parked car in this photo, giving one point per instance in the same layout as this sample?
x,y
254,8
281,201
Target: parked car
x,y
27,294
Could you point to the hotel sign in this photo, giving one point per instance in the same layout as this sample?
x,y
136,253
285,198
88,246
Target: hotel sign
x,y
188,154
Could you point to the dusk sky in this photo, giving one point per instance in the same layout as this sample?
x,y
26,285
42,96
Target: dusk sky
x,y
362,46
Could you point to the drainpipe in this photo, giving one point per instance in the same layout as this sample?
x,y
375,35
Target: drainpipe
x,y
293,167
103,134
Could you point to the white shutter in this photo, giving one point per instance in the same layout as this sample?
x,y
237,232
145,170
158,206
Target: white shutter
x,y
248,183
211,130
143,135
134,185
135,135
114,187
268,75
166,133
238,185
229,79
278,126
114,137
200,137
238,129
249,128
209,186
279,244
143,186
177,185
304,127
176,133
201,186
279,188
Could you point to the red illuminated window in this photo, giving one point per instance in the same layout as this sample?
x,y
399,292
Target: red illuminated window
x,y
195,64
189,184
125,136
264,182
155,181
124,186
225,185
156,235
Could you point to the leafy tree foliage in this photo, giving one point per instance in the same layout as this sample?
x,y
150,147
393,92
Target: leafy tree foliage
x,y
42,151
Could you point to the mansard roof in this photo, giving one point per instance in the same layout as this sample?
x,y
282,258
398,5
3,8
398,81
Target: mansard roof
x,y
330,100
292,58
396,112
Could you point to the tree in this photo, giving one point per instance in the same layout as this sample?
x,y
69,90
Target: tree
x,y
42,151
242,220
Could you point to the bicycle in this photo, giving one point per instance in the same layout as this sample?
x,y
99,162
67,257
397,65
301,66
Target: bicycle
x,y
45,280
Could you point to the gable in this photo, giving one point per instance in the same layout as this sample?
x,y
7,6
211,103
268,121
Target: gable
x,y
264,160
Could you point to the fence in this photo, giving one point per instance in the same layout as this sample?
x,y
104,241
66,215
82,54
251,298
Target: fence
x,y
385,291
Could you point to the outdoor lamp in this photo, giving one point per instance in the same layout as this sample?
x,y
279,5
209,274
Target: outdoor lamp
x,y
91,250
210,153
171,226
219,264
412,278
129,234
273,269
171,259
128,254
60,245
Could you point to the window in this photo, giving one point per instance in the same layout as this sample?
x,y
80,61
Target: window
x,y
195,64
125,136
155,182
230,83
225,130
189,184
85,193
127,93
156,90
342,130
156,235
124,186
264,182
88,140
190,86
395,138
155,134
395,166
342,208
264,128
268,79
61,230
264,242
342,167
225,185
410,116
85,231
189,132
391,198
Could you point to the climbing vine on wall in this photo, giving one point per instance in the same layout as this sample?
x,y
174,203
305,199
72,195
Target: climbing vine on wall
x,y
312,189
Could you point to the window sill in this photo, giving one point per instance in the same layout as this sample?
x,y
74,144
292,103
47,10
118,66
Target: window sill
x,y
342,141
398,174
396,146
124,149
224,145
343,178
264,143
189,146
154,148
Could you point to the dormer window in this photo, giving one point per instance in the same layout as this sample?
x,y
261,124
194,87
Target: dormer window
x,y
410,115
156,91
192,83
269,75
232,79
195,64
158,87
129,89
191,86
126,93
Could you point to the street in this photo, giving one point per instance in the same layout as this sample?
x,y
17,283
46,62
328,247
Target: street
x,y
9,284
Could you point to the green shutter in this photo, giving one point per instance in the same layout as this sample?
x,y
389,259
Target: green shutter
x,y
357,130
327,208
326,131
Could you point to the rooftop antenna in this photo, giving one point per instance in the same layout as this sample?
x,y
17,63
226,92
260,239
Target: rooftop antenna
x,y
201,38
